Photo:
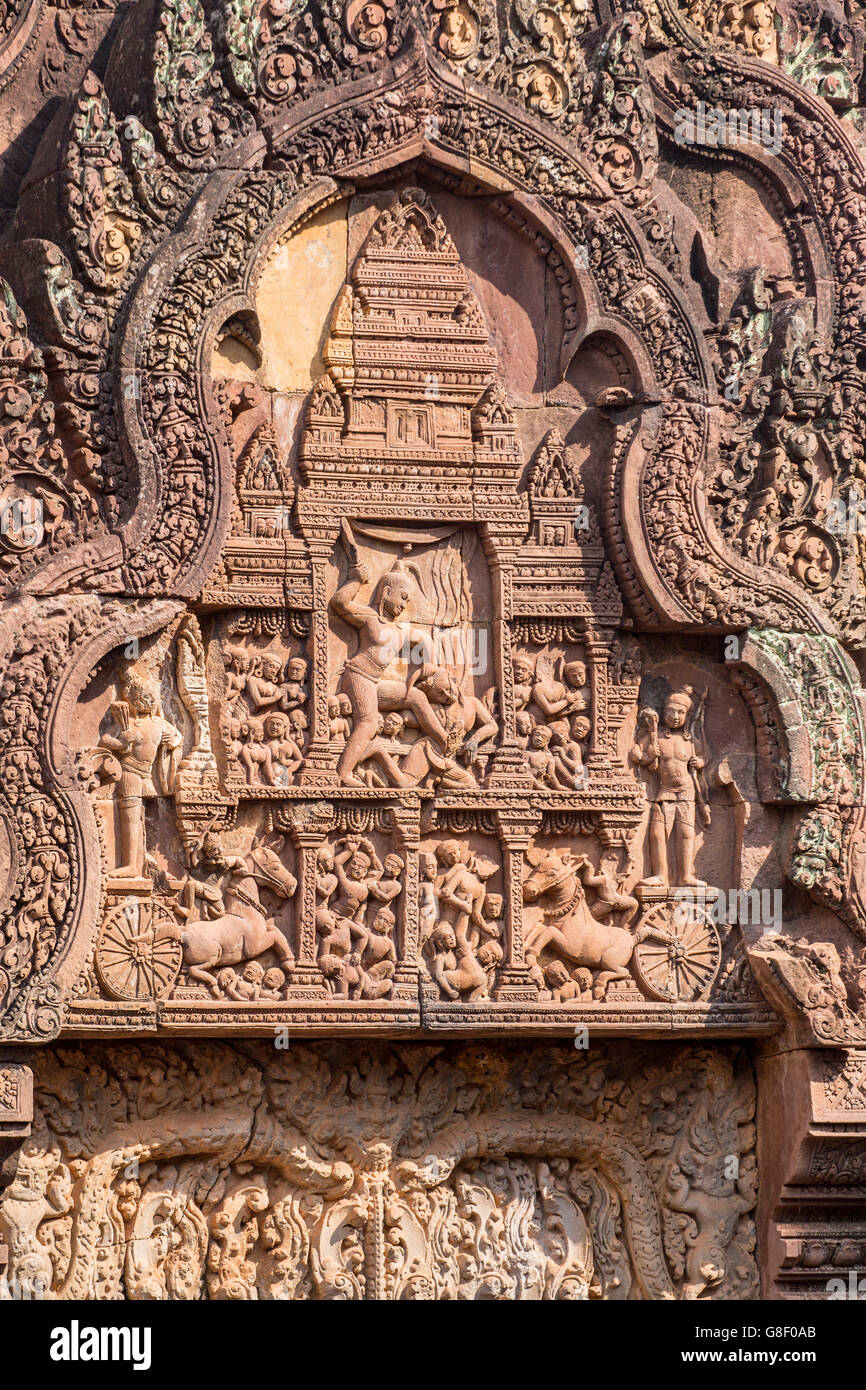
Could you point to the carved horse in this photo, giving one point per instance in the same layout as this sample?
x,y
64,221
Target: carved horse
x,y
242,931
567,924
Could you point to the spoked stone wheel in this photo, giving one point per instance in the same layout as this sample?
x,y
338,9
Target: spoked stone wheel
x,y
683,968
130,962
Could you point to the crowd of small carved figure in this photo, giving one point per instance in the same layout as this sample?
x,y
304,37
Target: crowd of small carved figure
x,y
551,700
355,920
265,724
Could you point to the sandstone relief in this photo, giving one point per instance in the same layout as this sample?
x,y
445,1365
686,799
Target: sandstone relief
x,y
433,629
401,1178
423,782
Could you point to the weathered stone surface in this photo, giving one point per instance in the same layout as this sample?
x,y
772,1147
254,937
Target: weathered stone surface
x,y
373,1173
431,553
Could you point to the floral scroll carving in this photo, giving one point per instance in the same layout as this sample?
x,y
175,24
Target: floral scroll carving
x,y
395,1178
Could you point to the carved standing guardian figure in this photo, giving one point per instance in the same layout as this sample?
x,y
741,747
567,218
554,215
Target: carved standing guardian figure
x,y
672,755
147,749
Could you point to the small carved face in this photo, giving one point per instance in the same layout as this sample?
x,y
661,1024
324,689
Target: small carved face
x,y
556,974
345,706
298,721
489,954
540,737
211,850
492,906
253,972
270,668
275,725
358,866
296,669
448,853
383,922
575,673
427,864
142,699
439,687
333,706
444,938
523,724
579,728
392,725
523,670
675,713
395,599
325,859
393,866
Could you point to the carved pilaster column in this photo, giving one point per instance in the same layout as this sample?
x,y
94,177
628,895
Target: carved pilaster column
x,y
16,1118
320,765
598,656
509,767
307,839
407,828
516,827
812,1165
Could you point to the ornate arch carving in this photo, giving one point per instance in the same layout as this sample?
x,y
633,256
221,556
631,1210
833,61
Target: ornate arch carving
x,y
660,535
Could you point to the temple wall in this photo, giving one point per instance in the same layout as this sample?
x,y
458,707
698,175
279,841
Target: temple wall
x,y
432,638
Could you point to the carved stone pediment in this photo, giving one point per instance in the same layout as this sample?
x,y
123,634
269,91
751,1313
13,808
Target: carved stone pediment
x,y
431,551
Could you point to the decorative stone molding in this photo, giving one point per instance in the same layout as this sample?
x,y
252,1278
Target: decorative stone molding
x,y
433,604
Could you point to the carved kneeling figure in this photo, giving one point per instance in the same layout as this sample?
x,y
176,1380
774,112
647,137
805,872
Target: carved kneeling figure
x,y
345,977
454,966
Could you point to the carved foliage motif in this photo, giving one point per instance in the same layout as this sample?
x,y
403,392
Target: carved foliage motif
x,y
402,761
588,131
386,1175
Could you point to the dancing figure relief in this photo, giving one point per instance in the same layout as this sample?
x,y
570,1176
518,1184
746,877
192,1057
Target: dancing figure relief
x,y
356,894
460,921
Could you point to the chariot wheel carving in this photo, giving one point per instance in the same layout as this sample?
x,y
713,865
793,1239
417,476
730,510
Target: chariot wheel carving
x,y
683,968
132,961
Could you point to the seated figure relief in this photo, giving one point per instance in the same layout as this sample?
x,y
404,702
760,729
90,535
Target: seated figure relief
x,y
553,717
